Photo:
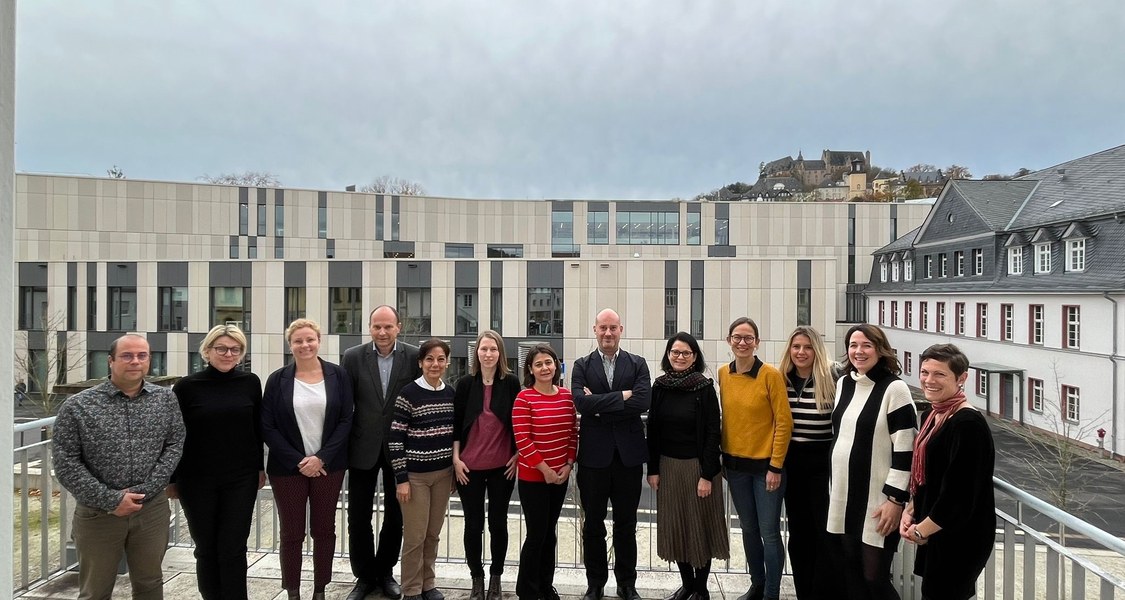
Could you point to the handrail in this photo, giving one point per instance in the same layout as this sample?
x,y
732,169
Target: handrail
x,y
1071,522
33,425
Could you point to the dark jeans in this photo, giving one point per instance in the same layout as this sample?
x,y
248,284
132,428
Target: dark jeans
x,y
867,569
542,503
218,515
368,564
499,490
815,573
292,494
759,515
598,487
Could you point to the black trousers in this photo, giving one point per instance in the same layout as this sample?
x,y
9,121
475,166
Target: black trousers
x,y
368,564
499,491
542,503
815,573
218,512
598,487
867,569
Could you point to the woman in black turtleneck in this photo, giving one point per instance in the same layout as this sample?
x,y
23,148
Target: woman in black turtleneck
x,y
221,471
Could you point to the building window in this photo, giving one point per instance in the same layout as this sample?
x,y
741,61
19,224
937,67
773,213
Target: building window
x,y
694,229
929,266
1043,258
279,220
252,247
1071,403
322,222
279,247
294,304
597,227
414,310
882,308
671,300
941,318
158,364
497,321
501,251
959,262
908,270
33,308
1076,255
883,272
72,308
894,271
465,311
1072,322
982,383
894,313
924,316
458,250
944,260
544,311
1035,324
233,246
982,320
1015,261
92,308
562,235
261,219
908,308
196,364
959,318
122,309
97,364
1007,319
722,232
804,306
1035,394
243,218
907,362
346,314
978,261
231,306
398,253
697,312
173,309
648,227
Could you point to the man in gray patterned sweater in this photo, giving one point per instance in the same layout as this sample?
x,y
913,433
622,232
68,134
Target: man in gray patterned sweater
x,y
116,444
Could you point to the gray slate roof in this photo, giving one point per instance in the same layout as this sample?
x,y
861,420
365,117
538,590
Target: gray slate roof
x,y
995,202
1091,185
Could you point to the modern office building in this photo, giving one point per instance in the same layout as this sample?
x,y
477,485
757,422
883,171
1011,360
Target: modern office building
x,y
97,257
1027,276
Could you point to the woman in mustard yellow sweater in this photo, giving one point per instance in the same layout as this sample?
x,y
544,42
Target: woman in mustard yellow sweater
x,y
756,429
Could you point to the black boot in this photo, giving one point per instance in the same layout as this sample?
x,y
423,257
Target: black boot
x,y
477,592
494,592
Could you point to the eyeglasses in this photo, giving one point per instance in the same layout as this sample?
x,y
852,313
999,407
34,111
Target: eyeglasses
x,y
230,350
738,339
680,353
129,356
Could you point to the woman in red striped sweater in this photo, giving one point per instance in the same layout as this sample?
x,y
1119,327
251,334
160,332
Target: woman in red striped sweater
x,y
545,426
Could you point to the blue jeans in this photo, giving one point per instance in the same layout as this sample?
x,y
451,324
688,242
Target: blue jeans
x,y
759,514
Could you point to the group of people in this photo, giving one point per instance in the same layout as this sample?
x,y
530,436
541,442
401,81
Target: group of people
x,y
837,447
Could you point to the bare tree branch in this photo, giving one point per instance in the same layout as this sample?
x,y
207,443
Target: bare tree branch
x,y
47,368
248,178
385,184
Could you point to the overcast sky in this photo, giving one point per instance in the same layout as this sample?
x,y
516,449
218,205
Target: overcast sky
x,y
560,99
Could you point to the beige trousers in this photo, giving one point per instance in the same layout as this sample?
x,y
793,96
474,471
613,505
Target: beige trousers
x,y
422,519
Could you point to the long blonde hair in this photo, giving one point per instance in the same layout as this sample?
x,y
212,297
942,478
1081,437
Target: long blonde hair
x,y
824,379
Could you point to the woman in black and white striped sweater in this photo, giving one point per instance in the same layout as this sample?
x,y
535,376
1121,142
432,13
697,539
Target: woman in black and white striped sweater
x,y
874,422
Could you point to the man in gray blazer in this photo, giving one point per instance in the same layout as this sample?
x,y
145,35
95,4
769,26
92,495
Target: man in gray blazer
x,y
377,370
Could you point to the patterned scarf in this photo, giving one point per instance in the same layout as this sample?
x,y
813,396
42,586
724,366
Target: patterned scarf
x,y
937,417
688,381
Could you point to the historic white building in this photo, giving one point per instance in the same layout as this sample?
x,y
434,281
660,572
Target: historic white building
x,y
1028,278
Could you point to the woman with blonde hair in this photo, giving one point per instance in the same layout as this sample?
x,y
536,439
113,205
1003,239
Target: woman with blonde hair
x,y
810,378
484,457
306,418
221,470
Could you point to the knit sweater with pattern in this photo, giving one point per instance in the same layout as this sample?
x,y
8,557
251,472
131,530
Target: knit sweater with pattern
x,y
421,438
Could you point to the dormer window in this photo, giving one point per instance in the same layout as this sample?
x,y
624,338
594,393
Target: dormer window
x,y
883,272
1043,258
1015,260
894,271
1076,255
908,270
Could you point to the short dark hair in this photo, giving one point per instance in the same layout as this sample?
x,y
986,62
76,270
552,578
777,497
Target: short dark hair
x,y
740,321
430,344
682,336
532,352
948,354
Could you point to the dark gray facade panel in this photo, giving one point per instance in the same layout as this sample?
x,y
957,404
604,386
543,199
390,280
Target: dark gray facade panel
x,y
261,195
466,274
99,341
395,204
722,251
804,274
33,274
295,274
597,207
157,341
413,273
121,274
497,274
562,206
544,273
243,195
722,210
379,203
171,274
72,273
194,340
91,273
694,208
322,199
230,274
671,274
37,340
351,340
645,206
696,274
851,210
345,274
279,197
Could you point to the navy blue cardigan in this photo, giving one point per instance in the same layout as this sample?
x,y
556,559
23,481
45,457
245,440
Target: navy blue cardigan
x,y
279,423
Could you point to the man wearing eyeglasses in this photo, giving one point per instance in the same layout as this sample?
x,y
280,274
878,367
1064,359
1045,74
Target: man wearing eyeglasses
x,y
612,389
116,445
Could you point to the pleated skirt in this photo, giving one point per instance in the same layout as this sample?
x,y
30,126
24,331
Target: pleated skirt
x,y
689,528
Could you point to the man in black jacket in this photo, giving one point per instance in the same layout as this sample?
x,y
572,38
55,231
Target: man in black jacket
x,y
377,371
612,389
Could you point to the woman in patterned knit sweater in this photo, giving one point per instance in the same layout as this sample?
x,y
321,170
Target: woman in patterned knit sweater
x,y
421,451
874,421
545,425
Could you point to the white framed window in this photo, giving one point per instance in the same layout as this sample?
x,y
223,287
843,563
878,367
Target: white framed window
x,y
944,262
909,320
907,362
978,261
1072,403
941,317
959,263
882,312
1043,258
894,271
924,316
929,266
982,319
1072,320
1076,255
982,384
894,313
1015,260
908,270
1035,324
959,316
883,272
1007,321
1035,394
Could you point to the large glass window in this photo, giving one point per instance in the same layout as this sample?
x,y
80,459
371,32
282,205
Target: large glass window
x,y
497,320
658,227
544,311
261,220
562,234
414,310
466,311
458,250
92,308
71,308
671,300
243,218
697,312
722,232
694,229
231,306
97,364
173,309
804,306
122,309
597,227
279,220
158,364
502,251
294,304
33,308
322,222
347,310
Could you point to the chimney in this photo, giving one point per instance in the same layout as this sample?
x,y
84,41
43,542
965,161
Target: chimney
x,y
1062,174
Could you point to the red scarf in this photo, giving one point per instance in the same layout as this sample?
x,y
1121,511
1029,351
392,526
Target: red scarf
x,y
937,417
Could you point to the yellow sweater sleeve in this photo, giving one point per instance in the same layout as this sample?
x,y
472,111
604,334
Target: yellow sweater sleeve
x,y
782,416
